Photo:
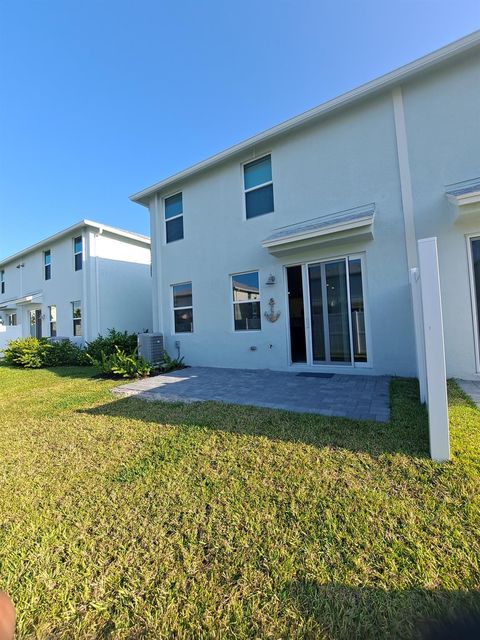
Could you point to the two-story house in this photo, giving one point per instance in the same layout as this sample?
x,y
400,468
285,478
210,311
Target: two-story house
x,y
77,284
294,248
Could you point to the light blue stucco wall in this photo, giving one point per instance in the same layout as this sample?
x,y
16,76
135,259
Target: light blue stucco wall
x,y
442,114
345,160
342,162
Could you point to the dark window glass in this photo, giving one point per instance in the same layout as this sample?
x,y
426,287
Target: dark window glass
x,y
257,172
259,201
316,312
183,320
245,287
77,249
182,295
174,229
247,316
77,318
2,281
173,206
47,261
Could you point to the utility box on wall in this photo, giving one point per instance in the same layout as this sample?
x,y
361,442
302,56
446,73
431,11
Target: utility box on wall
x,y
150,346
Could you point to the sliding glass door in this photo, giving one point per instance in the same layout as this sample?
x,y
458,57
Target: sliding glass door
x,y
332,331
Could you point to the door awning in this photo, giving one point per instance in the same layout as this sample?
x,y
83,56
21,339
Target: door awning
x,y
344,226
464,198
33,298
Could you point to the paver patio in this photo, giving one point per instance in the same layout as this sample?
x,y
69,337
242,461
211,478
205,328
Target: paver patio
x,y
471,388
351,396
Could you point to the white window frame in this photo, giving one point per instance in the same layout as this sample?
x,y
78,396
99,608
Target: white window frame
x,y
233,302
2,281
77,253
258,186
473,297
165,220
77,318
9,319
174,308
309,364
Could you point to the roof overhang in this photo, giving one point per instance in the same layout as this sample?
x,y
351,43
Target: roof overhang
x,y
352,225
464,198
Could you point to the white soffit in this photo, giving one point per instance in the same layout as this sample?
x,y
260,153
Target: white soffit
x,y
343,226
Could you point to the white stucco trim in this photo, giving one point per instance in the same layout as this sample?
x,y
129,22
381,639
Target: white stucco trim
x,y
405,178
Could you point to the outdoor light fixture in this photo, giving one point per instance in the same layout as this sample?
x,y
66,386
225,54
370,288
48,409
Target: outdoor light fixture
x,y
270,279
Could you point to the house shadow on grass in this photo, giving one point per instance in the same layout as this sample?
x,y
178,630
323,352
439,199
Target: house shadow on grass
x,y
406,432
345,612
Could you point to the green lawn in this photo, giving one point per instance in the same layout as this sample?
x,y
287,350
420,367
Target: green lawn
x,y
127,519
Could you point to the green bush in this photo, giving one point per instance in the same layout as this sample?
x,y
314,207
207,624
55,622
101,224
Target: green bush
x,y
63,353
34,353
121,365
126,342
26,352
168,364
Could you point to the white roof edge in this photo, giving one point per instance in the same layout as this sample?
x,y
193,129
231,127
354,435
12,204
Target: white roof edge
x,y
72,229
369,88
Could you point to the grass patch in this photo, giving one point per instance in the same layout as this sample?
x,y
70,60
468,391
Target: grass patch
x,y
130,519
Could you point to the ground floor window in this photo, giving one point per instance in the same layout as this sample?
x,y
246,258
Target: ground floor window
x,y
35,323
12,320
327,312
183,307
77,318
246,301
53,320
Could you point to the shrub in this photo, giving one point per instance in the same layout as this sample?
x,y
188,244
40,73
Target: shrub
x,y
121,365
168,364
63,353
26,352
126,342
34,353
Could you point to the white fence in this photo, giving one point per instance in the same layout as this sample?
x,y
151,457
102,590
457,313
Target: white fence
x,y
9,333
428,322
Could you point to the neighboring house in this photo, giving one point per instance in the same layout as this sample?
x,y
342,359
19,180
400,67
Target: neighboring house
x,y
293,249
77,284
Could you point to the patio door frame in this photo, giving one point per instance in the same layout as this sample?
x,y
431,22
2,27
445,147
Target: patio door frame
x,y
338,366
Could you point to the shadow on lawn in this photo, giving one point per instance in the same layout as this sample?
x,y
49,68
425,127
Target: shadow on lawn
x,y
405,433
344,612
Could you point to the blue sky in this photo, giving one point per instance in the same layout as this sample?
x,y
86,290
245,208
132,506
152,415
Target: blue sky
x,y
100,98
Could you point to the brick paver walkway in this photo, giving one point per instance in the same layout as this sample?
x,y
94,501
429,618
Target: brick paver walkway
x,y
351,396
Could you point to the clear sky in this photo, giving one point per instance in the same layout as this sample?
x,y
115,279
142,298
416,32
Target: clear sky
x,y
100,98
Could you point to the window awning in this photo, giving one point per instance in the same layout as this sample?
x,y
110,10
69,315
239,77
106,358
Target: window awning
x,y
344,226
464,198
33,298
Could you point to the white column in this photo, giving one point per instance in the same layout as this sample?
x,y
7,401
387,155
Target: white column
x,y
434,350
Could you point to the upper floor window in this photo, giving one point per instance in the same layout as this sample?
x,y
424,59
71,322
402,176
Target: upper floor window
x,y
174,217
183,307
78,252
77,318
47,264
258,185
2,281
246,301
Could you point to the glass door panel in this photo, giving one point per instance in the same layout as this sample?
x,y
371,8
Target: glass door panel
x,y
338,314
316,279
357,310
298,347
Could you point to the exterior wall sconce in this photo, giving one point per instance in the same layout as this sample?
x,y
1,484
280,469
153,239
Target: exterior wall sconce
x,y
270,279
